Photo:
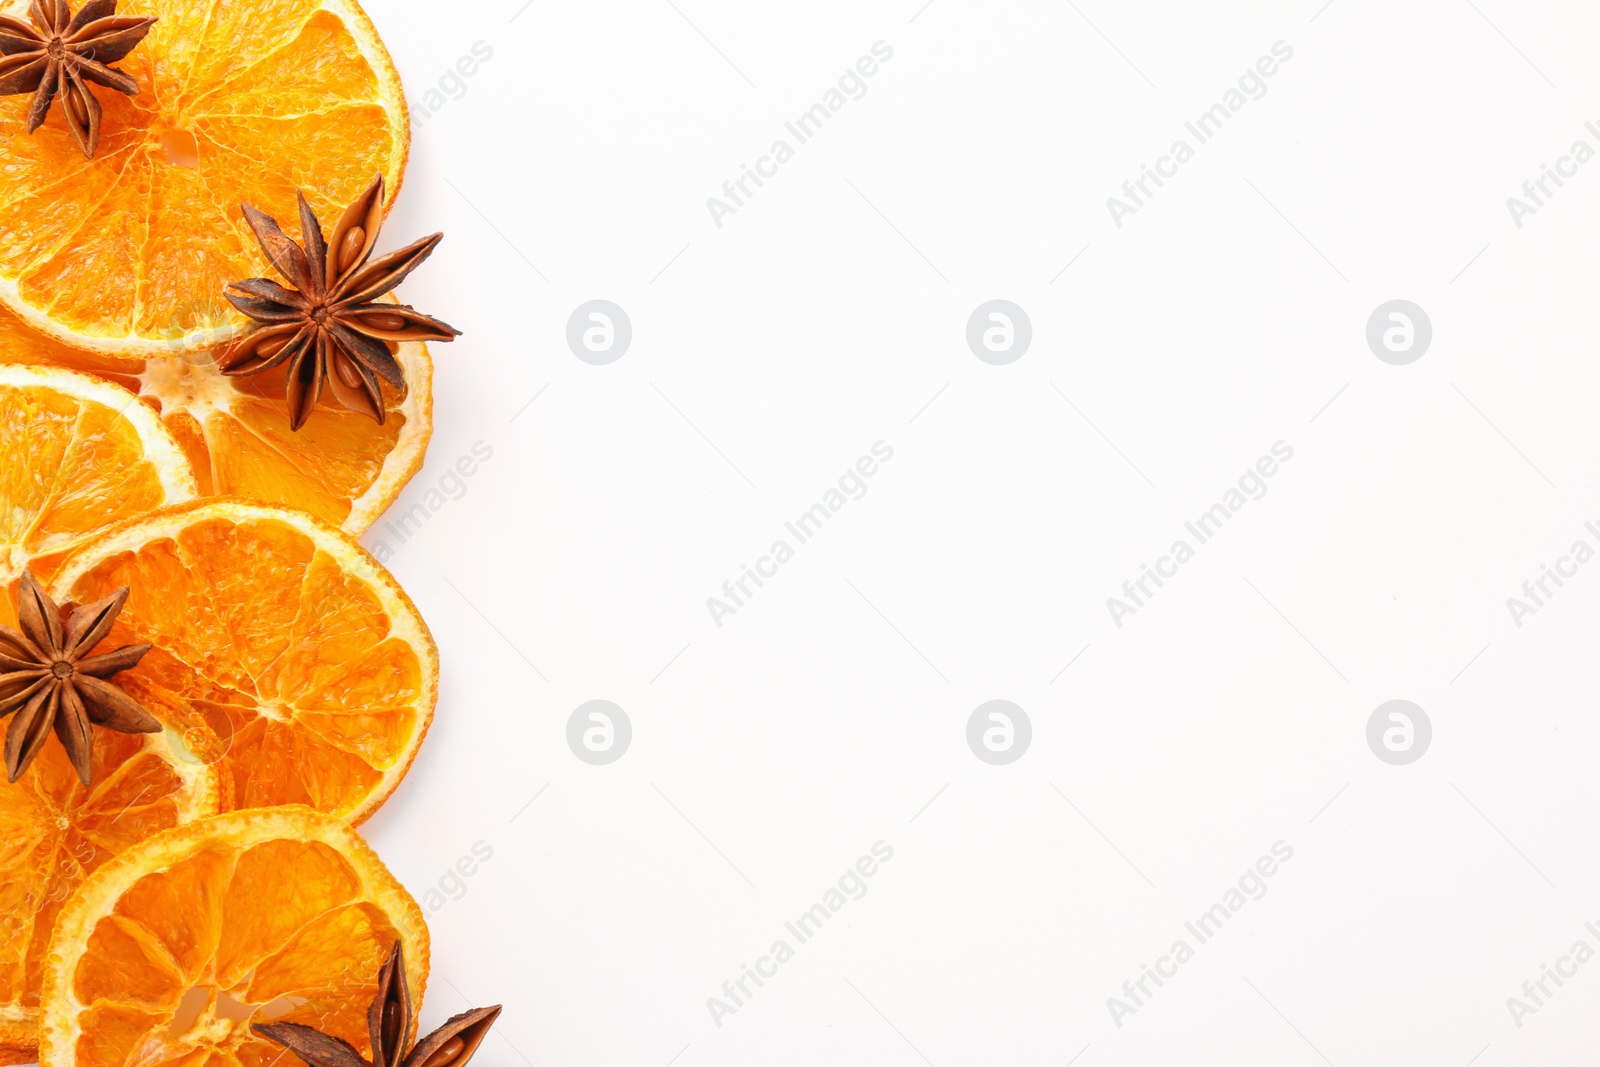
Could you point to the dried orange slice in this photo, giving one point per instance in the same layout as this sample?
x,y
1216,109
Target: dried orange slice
x,y
280,635
171,950
23,344
126,254
79,455
54,832
342,467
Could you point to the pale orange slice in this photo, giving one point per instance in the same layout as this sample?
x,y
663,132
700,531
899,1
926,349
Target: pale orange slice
x,y
54,832
77,455
297,647
169,952
20,343
342,467
126,254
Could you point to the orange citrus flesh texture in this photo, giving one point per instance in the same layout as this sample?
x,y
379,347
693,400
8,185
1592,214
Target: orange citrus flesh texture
x,y
20,343
127,254
54,832
342,467
278,635
170,952
81,455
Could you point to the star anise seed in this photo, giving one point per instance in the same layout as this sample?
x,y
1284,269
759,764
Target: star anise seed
x,y
61,53
330,329
388,1023
49,681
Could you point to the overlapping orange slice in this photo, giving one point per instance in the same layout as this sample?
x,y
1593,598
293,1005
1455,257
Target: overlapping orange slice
x,y
79,455
54,832
342,467
126,254
280,635
169,952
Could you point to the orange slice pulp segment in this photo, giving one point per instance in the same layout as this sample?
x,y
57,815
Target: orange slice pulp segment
x,y
170,951
280,635
126,254
80,454
54,832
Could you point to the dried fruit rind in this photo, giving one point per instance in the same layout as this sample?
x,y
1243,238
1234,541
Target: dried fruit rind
x,y
278,914
57,832
308,659
87,454
126,254
341,467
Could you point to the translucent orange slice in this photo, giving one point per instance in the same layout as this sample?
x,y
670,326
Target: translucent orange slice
x,y
279,634
126,254
20,343
169,952
80,454
342,467
54,832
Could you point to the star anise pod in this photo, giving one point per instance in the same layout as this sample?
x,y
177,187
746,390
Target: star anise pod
x,y
61,53
330,328
388,1023
48,679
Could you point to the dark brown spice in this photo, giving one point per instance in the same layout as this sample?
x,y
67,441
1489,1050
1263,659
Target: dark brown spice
x,y
49,681
388,1023
60,54
329,329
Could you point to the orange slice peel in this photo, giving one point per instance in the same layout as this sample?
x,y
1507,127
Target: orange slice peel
x,y
56,832
341,467
87,454
169,952
278,639
126,254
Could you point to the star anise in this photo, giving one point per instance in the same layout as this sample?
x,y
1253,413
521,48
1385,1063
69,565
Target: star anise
x,y
48,679
388,1023
61,53
330,327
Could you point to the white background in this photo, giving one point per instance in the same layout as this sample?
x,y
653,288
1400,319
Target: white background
x,y
830,712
